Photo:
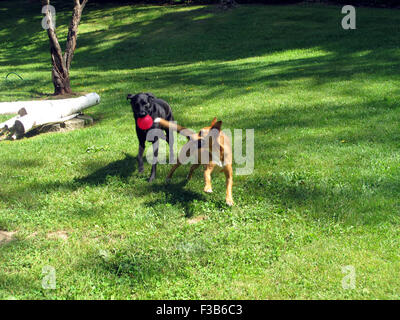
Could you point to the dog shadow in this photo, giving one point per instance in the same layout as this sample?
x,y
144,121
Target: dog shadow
x,y
175,192
123,169
177,195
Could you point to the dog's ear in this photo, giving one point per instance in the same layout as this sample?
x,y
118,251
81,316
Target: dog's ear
x,y
213,121
216,125
129,96
150,96
215,129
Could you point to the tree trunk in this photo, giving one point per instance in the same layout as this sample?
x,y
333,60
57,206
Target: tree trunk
x,y
61,63
59,74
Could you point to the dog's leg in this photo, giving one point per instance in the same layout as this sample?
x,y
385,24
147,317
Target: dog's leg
x,y
169,176
155,159
192,168
229,183
170,140
142,145
207,177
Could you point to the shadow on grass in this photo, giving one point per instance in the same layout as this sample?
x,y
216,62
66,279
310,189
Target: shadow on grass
x,y
270,29
143,263
121,169
176,194
311,75
15,287
155,35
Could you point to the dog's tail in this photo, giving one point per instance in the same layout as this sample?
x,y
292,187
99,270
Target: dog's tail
x,y
174,126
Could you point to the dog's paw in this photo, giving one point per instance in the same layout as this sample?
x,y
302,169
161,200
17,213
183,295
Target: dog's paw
x,y
207,190
229,202
167,179
141,170
150,179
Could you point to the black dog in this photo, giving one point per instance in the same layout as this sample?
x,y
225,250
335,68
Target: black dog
x,y
147,104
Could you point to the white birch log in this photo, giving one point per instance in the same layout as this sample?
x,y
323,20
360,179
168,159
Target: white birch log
x,y
14,107
10,107
29,122
62,107
71,105
37,113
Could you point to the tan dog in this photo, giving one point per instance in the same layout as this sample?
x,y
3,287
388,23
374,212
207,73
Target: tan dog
x,y
210,147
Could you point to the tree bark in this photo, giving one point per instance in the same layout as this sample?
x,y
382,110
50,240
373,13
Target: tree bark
x,y
73,31
62,63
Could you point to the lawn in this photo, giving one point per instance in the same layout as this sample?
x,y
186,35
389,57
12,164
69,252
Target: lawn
x,y
324,194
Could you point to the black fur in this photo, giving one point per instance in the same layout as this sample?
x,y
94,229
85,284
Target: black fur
x,y
147,104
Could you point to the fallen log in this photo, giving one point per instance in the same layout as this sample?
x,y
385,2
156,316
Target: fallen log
x,y
62,107
14,107
39,113
83,102
29,122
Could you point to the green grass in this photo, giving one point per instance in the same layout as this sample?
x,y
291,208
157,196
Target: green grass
x,y
324,103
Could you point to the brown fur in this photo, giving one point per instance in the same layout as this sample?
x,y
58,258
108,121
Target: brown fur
x,y
213,138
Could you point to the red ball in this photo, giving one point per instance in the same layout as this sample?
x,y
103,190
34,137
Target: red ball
x,y
145,122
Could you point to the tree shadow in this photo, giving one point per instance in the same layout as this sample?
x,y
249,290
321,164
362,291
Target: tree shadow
x,y
160,34
155,35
